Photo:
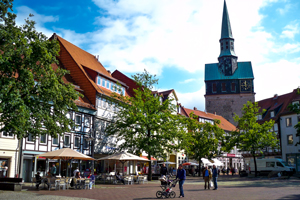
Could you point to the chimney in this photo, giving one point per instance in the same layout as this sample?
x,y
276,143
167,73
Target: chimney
x,y
275,96
195,108
109,72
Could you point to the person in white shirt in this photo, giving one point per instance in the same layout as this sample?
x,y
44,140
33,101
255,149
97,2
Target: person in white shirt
x,y
75,171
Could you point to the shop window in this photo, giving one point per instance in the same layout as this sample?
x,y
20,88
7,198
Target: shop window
x,y
288,122
43,139
3,167
290,140
67,140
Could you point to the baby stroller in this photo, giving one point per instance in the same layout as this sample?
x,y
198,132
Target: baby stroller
x,y
166,188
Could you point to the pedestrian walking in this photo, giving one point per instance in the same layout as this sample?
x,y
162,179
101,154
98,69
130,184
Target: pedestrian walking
x,y
215,176
53,170
181,175
228,170
206,176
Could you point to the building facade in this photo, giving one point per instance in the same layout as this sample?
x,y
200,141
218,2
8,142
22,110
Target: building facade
x,y
229,84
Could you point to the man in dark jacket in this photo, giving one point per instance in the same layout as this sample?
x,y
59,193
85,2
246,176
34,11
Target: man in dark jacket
x,y
215,176
163,170
181,175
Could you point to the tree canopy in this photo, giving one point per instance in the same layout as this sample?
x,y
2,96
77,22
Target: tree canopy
x,y
203,140
33,97
252,136
145,123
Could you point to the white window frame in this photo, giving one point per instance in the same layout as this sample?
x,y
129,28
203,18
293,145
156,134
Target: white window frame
x,y
28,138
272,113
107,84
45,139
98,80
103,84
286,121
288,143
79,143
77,115
65,140
57,140
8,134
87,121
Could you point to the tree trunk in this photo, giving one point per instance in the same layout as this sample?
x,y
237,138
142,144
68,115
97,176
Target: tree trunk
x,y
149,158
200,172
255,165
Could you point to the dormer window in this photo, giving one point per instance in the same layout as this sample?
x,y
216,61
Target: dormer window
x,y
99,80
259,117
107,84
272,114
103,82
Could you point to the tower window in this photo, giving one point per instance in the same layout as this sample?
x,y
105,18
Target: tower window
x,y
232,87
231,43
214,88
226,43
221,48
226,47
221,43
231,47
223,87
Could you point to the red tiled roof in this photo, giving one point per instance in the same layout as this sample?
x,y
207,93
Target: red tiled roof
x,y
278,104
125,79
224,124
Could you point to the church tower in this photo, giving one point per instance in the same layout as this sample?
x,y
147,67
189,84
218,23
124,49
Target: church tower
x,y
229,84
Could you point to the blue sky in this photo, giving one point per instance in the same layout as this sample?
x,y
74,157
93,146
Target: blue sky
x,y
174,39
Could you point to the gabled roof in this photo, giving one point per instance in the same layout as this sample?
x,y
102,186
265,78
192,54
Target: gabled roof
x,y
224,124
81,101
84,68
166,94
125,79
243,71
278,104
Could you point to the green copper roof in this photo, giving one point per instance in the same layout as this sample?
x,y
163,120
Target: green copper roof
x,y
226,28
243,71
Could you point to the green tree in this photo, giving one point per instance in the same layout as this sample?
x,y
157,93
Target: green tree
x,y
33,97
296,108
203,139
252,136
144,122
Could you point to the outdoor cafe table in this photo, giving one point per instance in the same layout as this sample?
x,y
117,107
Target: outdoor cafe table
x,y
79,183
138,178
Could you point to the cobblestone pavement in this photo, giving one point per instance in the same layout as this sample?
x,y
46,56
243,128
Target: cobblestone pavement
x,y
229,187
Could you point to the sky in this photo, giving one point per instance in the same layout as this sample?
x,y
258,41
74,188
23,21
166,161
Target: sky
x,y
174,39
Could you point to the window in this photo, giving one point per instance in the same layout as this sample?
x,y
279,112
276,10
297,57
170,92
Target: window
x,y
87,121
85,143
226,43
226,47
104,103
123,91
223,87
275,127
288,122
30,137
290,140
221,48
259,117
270,164
232,87
99,102
67,140
279,164
7,134
78,119
107,84
43,138
112,87
298,118
272,114
77,142
99,80
103,82
214,88
55,141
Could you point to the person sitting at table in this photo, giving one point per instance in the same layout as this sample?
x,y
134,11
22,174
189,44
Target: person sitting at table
x,y
119,177
77,175
38,179
92,177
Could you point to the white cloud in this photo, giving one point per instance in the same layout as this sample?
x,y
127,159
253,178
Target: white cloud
x,y
23,13
285,9
290,30
276,78
189,80
288,48
193,99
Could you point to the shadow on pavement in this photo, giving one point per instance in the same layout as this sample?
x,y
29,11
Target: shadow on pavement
x,y
292,197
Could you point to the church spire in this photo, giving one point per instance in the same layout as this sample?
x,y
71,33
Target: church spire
x,y
226,28
227,58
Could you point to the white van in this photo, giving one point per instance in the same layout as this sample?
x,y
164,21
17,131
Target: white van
x,y
269,165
